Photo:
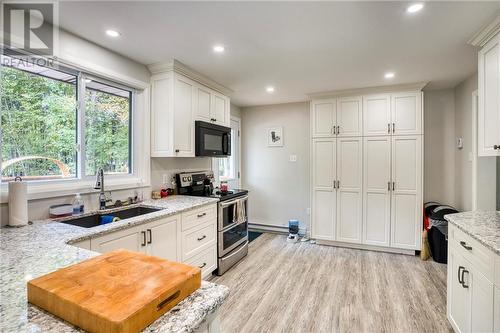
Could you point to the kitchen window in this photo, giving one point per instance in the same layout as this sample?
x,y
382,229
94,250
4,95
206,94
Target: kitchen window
x,y
228,168
62,124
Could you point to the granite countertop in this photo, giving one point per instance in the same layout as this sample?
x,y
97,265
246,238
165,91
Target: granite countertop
x,y
44,246
484,226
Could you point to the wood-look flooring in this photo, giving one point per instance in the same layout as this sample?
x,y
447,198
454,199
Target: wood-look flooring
x,y
303,287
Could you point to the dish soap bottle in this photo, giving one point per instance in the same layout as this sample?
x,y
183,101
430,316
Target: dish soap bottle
x,y
78,205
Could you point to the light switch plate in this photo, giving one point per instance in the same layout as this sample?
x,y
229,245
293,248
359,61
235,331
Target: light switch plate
x,y
293,158
460,143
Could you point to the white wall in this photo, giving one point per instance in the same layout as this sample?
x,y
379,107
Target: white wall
x,y
439,146
279,189
169,166
463,128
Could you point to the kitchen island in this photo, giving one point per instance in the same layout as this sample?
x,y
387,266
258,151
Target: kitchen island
x,y
45,246
473,288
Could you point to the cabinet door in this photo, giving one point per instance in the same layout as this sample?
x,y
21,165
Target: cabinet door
x,y
324,195
489,95
496,309
376,190
162,138
481,294
184,92
220,109
376,115
406,206
161,238
458,297
349,192
323,114
406,113
349,116
203,104
133,239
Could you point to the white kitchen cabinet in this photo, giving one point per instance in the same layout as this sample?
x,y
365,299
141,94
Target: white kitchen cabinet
x,y
176,102
377,190
221,109
471,297
406,187
324,194
323,118
349,160
489,98
406,113
132,239
377,115
349,118
161,238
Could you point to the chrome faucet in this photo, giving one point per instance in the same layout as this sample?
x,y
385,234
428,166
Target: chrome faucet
x,y
99,185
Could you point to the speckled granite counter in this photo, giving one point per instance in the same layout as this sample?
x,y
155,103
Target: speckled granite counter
x,y
480,225
42,247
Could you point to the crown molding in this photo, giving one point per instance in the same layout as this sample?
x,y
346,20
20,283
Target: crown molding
x,y
486,33
178,67
369,90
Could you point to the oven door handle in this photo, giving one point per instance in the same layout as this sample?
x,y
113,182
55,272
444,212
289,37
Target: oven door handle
x,y
225,143
235,252
225,204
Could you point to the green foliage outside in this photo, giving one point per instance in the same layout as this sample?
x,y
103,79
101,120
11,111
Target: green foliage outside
x,y
38,117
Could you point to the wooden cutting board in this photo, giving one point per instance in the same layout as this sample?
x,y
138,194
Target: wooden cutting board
x,y
120,291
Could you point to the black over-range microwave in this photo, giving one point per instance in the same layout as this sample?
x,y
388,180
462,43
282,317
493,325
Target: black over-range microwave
x,y
212,140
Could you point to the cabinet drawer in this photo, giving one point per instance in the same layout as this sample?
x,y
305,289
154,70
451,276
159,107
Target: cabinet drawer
x,y
206,260
476,253
196,240
197,217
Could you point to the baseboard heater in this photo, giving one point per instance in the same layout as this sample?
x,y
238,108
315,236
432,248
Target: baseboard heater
x,y
279,229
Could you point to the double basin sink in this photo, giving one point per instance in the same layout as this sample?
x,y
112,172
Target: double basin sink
x,y
94,220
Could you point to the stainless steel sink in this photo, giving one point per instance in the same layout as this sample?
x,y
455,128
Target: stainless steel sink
x,y
94,220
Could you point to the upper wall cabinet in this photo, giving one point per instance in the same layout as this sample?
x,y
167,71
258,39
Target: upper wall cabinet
x,y
349,116
377,115
489,95
406,113
176,102
323,118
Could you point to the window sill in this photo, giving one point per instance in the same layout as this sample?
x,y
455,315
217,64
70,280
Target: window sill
x,y
47,190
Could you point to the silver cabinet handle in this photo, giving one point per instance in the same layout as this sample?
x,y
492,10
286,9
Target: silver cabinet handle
x,y
460,274
334,184
393,186
204,264
143,238
338,130
338,183
465,246
202,238
496,147
389,128
150,236
388,186
201,215
393,128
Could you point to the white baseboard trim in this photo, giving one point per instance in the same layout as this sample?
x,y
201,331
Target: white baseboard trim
x,y
281,229
366,247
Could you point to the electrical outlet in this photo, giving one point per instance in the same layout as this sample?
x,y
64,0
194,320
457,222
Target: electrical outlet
x,y
293,158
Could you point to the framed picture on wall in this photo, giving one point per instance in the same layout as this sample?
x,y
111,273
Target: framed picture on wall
x,y
275,137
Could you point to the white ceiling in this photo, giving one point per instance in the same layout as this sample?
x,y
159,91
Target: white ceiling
x,y
299,47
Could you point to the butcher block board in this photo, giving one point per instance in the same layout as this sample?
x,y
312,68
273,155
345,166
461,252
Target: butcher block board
x,y
120,291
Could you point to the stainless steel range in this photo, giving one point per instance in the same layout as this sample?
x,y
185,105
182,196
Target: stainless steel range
x,y
232,218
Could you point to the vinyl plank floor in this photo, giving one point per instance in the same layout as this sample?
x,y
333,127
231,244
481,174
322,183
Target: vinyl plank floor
x,y
303,287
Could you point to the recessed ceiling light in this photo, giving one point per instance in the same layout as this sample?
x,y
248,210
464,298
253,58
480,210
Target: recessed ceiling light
x,y
270,89
389,75
88,80
414,8
112,33
218,48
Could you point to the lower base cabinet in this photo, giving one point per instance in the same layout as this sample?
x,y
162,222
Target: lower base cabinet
x,y
164,238
471,296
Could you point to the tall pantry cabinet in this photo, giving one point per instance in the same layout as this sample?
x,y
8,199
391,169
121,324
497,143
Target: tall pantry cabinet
x,y
366,162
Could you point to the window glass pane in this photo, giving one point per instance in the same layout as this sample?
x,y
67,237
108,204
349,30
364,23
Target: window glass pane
x,y
38,122
107,129
226,164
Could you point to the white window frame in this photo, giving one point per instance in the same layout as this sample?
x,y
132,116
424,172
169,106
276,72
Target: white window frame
x,y
215,162
140,146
